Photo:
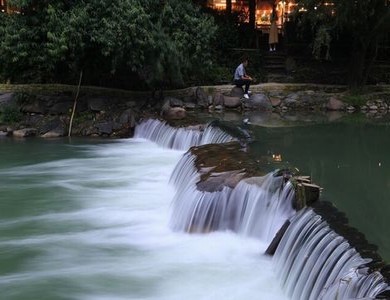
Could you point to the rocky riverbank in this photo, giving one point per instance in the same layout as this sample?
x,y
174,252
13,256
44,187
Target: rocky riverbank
x,y
45,110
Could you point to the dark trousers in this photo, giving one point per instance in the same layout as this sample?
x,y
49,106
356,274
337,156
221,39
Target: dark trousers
x,y
242,82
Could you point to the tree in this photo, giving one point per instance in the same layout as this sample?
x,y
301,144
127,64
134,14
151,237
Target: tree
x,y
157,43
364,21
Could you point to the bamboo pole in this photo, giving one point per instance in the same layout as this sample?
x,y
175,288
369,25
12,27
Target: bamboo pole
x,y
75,103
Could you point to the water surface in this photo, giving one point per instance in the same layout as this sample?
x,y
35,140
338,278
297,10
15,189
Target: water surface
x,y
88,219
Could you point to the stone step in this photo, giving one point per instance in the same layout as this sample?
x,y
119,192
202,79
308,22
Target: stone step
x,y
275,66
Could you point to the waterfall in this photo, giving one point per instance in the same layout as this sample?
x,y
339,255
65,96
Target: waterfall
x,y
313,262
181,138
256,206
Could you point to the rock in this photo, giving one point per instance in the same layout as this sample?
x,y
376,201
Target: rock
x,y
25,132
58,132
275,101
334,116
35,106
105,128
258,101
54,125
202,99
127,117
131,104
291,99
175,113
189,105
61,108
165,107
6,99
96,104
232,102
174,102
218,99
236,92
373,107
350,108
335,104
217,181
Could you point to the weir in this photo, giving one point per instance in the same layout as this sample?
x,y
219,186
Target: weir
x,y
181,138
316,254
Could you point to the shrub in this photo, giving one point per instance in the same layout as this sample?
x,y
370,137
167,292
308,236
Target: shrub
x,y
10,114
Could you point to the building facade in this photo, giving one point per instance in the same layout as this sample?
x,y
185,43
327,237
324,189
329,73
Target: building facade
x,y
262,10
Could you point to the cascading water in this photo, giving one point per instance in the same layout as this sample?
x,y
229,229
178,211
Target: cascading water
x,y
180,138
313,262
256,207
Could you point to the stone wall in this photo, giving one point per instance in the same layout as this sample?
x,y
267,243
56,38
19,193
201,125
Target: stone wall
x,y
45,110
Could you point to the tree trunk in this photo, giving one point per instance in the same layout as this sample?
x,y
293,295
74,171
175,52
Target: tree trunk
x,y
228,7
252,14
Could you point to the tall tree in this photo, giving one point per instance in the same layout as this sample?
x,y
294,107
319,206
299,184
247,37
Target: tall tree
x,y
364,21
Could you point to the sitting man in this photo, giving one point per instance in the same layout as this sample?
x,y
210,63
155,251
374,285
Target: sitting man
x,y
241,78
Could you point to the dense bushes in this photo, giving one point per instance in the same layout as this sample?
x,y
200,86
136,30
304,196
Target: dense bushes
x,y
122,43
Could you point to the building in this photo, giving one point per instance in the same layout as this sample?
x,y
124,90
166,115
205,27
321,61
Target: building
x,y
261,8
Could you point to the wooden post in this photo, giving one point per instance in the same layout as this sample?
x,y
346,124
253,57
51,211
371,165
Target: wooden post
x,y
75,104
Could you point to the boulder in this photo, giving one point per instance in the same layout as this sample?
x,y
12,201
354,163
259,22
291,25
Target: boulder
x,y
189,105
335,104
105,127
61,108
218,99
259,102
25,132
202,99
236,92
127,117
175,113
60,131
291,99
275,101
54,125
174,102
96,104
6,99
232,102
34,106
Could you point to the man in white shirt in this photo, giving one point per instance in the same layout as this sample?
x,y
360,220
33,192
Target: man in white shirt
x,y
241,78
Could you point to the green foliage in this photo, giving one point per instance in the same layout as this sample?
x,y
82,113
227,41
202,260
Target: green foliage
x,y
363,21
149,43
354,99
22,98
10,115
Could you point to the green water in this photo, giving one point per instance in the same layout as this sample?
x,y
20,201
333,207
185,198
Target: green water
x,y
350,161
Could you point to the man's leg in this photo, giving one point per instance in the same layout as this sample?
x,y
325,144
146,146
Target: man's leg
x,y
247,84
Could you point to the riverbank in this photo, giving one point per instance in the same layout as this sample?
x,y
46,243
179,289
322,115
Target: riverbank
x,y
45,110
